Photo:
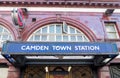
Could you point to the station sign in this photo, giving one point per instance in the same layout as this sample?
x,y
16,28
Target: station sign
x,y
60,48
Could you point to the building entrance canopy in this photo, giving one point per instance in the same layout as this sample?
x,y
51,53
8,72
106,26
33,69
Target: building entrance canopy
x,y
17,52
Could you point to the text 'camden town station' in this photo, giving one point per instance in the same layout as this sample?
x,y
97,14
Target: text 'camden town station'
x,y
60,47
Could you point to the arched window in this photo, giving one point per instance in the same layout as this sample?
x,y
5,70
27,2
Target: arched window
x,y
54,32
4,35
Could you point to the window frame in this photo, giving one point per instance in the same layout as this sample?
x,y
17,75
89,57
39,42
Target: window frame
x,y
115,32
77,33
5,32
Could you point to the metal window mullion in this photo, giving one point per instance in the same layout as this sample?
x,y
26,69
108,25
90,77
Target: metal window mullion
x,y
55,32
112,32
47,33
83,39
55,37
62,38
116,34
40,34
47,37
55,28
48,30
69,36
33,37
75,35
40,37
69,39
76,38
116,31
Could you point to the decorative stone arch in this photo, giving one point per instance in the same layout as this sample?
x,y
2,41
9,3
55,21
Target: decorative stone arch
x,y
31,28
10,27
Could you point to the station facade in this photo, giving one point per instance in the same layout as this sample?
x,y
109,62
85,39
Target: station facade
x,y
49,44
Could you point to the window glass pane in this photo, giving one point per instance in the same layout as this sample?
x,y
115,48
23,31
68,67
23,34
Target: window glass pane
x,y
112,35
44,37
51,38
10,38
58,38
72,30
31,38
65,38
78,32
80,38
51,29
39,31
73,38
86,39
110,28
5,37
58,29
37,37
44,30
1,29
5,31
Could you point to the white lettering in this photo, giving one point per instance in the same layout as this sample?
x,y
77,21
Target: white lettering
x,y
87,48
34,47
23,48
61,47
